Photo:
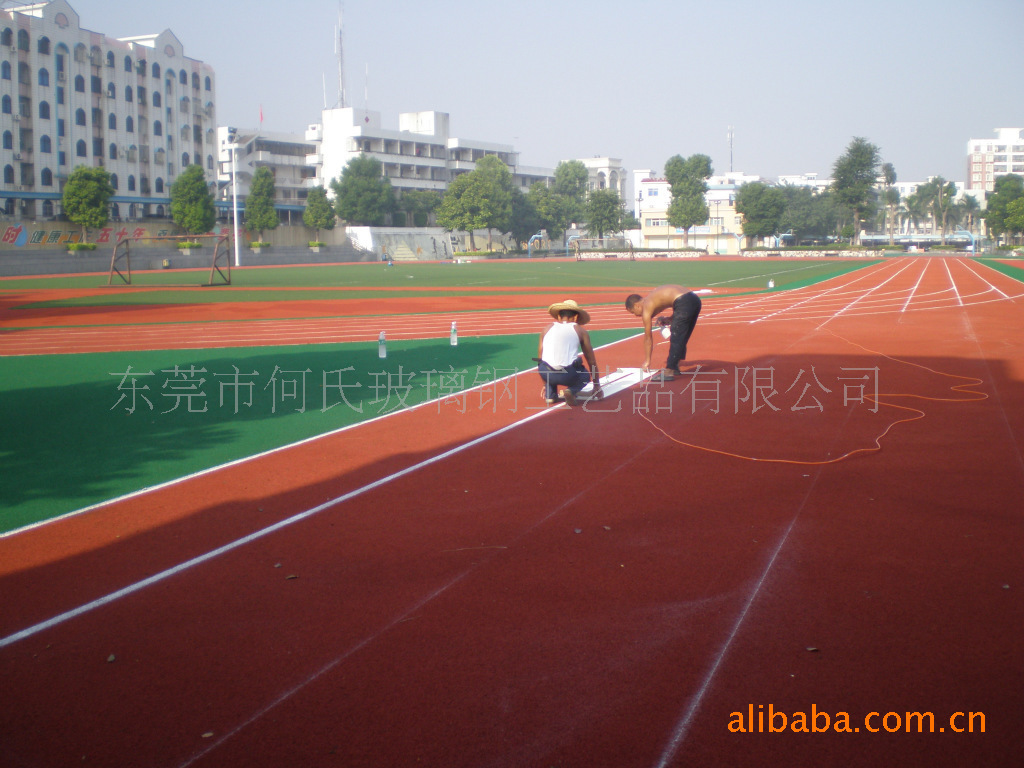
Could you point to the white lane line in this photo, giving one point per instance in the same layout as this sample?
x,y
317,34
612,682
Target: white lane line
x,y
952,282
863,296
913,291
256,535
991,287
682,727
842,288
132,588
325,669
394,622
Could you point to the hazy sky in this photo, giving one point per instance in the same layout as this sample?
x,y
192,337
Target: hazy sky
x,y
640,80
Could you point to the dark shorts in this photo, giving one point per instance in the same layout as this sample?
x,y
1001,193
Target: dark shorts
x,y
685,311
575,377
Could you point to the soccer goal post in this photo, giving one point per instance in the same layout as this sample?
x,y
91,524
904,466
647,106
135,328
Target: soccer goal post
x,y
220,259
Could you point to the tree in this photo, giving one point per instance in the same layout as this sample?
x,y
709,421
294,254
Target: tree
x,y
687,180
969,210
86,197
259,203
525,220
192,202
495,182
1006,189
571,182
603,212
418,204
629,219
480,199
460,208
938,195
551,207
808,213
363,196
1014,219
891,198
762,207
853,179
318,213
912,211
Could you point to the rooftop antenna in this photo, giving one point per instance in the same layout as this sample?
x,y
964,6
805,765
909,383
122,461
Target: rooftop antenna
x,y
339,50
729,136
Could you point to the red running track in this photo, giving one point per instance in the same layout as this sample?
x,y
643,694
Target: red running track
x,y
611,587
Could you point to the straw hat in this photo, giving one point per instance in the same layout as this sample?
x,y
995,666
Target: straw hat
x,y
582,316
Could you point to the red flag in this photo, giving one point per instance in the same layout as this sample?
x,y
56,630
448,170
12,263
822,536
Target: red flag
x,y
261,115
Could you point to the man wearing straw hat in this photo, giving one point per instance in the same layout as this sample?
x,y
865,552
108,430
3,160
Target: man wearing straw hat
x,y
558,354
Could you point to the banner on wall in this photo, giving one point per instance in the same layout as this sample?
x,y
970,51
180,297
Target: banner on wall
x,y
20,235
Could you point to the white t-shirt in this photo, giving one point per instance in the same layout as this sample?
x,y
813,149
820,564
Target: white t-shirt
x,y
561,345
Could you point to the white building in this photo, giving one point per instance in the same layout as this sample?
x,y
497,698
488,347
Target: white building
x,y
989,158
805,180
421,154
721,234
286,154
136,106
607,173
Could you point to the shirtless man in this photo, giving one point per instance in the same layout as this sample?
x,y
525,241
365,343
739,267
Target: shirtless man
x,y
685,306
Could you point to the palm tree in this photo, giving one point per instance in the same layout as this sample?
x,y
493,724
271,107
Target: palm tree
x,y
912,211
890,196
938,196
971,210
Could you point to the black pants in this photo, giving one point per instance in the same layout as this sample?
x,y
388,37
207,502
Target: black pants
x,y
574,376
685,311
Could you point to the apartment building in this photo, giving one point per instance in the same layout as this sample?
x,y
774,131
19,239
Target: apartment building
x,y
137,106
993,157
287,155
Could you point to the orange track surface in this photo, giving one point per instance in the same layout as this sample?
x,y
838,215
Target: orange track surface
x,y
602,587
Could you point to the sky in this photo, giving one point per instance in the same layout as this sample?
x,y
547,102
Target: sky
x,y
796,80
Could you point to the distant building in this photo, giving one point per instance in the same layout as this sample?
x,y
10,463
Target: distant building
x,y
721,234
136,106
289,156
805,180
606,173
990,158
421,154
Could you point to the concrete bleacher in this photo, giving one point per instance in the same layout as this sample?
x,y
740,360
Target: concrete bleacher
x,y
21,262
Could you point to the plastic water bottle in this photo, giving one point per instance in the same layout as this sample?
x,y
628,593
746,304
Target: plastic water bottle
x,y
382,347
454,338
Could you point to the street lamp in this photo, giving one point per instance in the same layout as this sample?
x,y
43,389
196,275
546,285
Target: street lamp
x,y
232,148
718,225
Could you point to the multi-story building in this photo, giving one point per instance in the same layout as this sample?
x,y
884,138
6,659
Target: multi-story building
x,y
421,154
136,106
990,158
606,173
288,157
721,234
